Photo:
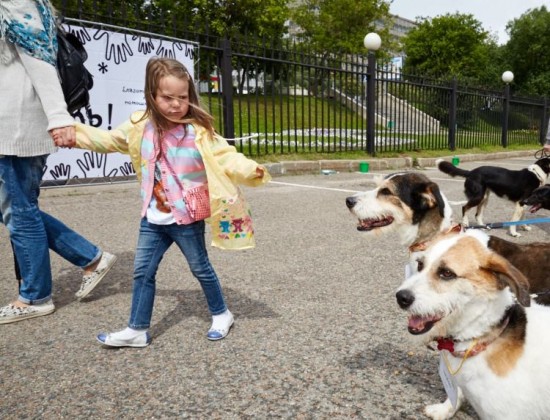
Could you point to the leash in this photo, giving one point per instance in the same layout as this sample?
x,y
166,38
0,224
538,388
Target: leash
x,y
500,225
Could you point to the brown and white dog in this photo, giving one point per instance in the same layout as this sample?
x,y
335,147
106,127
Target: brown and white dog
x,y
494,345
412,206
407,203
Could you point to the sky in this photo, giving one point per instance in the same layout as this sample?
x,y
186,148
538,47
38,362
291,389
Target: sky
x,y
493,14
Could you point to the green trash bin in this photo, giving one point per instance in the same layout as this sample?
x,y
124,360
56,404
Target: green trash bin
x,y
363,167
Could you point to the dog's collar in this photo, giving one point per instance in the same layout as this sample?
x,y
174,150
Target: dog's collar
x,y
421,246
539,173
478,345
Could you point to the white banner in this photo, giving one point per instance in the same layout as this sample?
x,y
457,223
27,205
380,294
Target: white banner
x,y
117,62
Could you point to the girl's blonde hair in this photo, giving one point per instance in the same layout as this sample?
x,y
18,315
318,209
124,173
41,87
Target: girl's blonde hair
x,y
156,69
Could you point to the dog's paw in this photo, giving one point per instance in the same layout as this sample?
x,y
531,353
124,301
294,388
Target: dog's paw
x,y
441,411
526,227
514,234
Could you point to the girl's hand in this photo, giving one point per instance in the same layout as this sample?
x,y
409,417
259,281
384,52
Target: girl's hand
x,y
64,136
259,172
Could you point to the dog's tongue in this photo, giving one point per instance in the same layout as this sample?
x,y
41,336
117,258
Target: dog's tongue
x,y
421,324
417,323
534,208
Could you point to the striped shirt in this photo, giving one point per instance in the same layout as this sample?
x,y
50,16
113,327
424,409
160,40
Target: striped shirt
x,y
181,168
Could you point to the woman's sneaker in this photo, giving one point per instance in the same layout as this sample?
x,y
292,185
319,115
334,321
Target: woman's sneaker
x,y
12,313
90,281
122,339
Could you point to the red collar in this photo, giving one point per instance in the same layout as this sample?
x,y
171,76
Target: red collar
x,y
448,343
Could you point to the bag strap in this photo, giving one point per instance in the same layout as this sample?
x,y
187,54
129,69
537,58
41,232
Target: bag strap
x,y
170,168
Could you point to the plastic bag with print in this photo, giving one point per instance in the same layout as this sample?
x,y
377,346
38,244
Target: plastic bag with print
x,y
231,223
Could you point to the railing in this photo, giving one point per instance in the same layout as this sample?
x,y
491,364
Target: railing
x,y
275,100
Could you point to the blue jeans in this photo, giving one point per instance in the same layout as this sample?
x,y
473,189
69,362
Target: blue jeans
x,y
34,232
154,241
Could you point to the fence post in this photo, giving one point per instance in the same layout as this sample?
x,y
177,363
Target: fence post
x,y
227,91
543,122
507,78
371,86
452,115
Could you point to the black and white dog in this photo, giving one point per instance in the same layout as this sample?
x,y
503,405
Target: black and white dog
x,y
539,199
493,342
515,185
412,206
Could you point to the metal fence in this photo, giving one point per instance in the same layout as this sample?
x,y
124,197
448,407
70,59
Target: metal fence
x,y
275,100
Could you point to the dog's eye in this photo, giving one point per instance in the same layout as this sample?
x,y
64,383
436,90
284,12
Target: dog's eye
x,y
420,265
384,191
446,274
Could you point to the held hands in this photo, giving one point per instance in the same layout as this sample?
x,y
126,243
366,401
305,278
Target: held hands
x,y
64,136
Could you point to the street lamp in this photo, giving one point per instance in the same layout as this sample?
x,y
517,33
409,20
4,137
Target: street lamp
x,y
507,77
372,43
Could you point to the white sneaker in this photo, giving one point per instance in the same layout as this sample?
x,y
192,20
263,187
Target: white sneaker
x,y
90,281
113,340
12,313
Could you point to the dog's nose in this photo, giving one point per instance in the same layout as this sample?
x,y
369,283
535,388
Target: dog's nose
x,y
350,202
404,298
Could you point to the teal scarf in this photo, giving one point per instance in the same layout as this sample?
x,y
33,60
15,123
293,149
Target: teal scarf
x,y
30,25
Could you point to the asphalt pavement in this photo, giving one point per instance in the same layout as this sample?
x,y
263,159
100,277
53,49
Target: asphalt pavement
x,y
317,334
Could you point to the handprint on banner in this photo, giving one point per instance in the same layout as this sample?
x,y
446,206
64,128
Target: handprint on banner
x,y
127,169
81,33
145,44
61,171
118,51
91,160
167,49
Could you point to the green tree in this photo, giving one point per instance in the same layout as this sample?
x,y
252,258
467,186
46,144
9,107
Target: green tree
x,y
219,18
452,45
232,18
339,26
126,13
527,53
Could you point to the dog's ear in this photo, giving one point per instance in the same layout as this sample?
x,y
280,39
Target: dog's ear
x,y
510,276
431,197
544,163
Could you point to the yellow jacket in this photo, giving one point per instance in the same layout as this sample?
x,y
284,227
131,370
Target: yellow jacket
x,y
226,168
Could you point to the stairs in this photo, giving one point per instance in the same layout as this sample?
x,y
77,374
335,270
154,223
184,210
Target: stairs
x,y
391,112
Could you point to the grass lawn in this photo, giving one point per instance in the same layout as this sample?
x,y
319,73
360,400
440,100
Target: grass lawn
x,y
276,128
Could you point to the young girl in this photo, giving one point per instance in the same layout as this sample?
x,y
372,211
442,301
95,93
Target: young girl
x,y
187,173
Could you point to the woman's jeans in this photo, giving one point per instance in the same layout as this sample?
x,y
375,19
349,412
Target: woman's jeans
x,y
154,241
34,232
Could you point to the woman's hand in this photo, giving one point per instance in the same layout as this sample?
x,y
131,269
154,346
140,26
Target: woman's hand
x,y
64,136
